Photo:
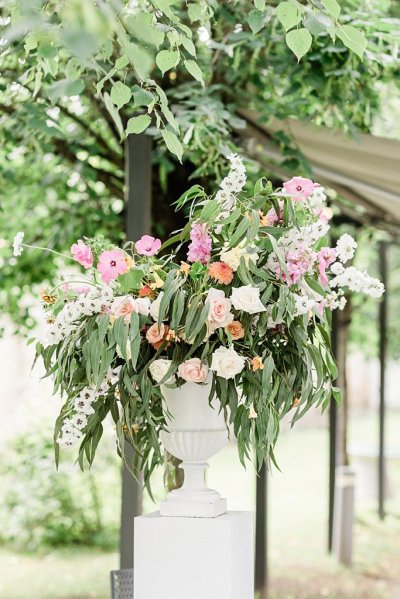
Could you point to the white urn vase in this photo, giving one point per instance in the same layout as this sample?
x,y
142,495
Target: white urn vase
x,y
195,432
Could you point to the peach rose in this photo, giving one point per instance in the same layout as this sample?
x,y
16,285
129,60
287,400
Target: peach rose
x,y
220,308
193,371
156,336
257,363
236,329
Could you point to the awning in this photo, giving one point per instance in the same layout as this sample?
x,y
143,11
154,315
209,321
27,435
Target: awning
x,y
364,169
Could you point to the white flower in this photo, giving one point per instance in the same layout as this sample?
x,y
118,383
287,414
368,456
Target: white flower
x,y
79,421
226,362
232,256
155,306
159,368
67,440
17,243
337,268
345,247
303,304
252,413
247,298
84,406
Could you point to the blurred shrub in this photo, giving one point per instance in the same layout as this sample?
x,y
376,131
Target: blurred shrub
x,y
42,507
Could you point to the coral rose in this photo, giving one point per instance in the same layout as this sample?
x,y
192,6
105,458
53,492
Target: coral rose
x,y
156,336
236,329
221,272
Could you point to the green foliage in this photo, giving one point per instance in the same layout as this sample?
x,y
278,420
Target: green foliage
x,y
42,507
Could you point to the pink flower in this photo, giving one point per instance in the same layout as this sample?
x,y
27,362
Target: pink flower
x,y
111,264
147,245
326,257
299,262
271,217
82,290
220,313
82,253
125,306
200,248
193,371
299,188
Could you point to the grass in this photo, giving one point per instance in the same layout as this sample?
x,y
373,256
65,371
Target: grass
x,y
297,521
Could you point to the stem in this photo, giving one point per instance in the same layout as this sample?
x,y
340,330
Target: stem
x,y
38,247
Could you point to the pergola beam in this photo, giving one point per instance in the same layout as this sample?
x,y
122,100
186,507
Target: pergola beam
x,y
382,363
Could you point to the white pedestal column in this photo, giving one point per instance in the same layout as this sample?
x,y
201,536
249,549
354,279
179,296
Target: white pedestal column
x,y
194,558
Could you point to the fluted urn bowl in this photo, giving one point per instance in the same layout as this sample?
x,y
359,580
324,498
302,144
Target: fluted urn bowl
x,y
195,432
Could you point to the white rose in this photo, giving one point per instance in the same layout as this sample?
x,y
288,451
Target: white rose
x,y
247,298
226,362
159,368
155,307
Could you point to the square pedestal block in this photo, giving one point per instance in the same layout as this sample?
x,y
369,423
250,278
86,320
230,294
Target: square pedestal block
x,y
194,558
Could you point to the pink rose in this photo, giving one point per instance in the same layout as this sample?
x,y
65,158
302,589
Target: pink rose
x,y
220,308
156,336
193,371
147,245
299,188
82,253
125,306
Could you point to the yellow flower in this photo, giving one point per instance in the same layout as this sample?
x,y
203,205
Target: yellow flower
x,y
135,427
47,297
257,363
158,281
129,261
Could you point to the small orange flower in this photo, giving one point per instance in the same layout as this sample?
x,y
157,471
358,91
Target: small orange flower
x,y
221,272
185,268
135,427
257,363
47,297
295,402
236,329
146,291
264,220
172,336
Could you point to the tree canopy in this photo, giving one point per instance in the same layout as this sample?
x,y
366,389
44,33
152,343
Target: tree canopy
x,y
76,77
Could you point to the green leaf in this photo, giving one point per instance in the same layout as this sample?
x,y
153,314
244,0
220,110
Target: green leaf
x,y
121,62
332,7
259,4
114,114
65,87
142,27
131,280
120,94
141,60
193,68
188,45
288,15
142,97
255,20
299,41
353,38
138,124
167,59
173,144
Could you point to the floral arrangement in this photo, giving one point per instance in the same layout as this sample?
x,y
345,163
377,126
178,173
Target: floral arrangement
x,y
244,297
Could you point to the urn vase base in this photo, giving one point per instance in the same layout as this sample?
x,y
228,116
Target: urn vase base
x,y
182,508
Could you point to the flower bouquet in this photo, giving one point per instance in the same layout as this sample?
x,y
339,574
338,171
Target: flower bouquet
x,y
240,298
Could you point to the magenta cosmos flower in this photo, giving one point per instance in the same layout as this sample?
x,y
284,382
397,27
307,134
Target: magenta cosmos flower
x,y
82,253
299,188
147,245
111,264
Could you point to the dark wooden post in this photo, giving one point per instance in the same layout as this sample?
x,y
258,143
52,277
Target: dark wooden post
x,y
332,437
382,361
137,223
261,557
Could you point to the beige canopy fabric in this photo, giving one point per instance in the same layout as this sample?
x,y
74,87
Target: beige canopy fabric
x,y
364,169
